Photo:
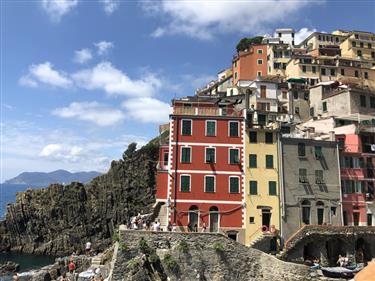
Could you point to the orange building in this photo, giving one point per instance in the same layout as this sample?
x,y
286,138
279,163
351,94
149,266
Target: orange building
x,y
250,64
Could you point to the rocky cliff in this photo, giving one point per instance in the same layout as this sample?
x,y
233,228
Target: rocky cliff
x,y
59,219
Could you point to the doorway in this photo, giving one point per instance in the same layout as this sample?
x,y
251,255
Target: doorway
x,y
320,212
193,217
355,218
266,217
214,219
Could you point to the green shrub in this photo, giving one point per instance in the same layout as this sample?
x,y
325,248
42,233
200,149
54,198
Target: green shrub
x,y
134,263
183,247
153,257
218,247
144,247
115,237
123,247
170,262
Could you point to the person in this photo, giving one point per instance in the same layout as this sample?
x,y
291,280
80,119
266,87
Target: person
x,y
158,225
342,261
190,227
316,264
195,228
101,278
88,248
204,227
169,227
16,277
174,228
71,267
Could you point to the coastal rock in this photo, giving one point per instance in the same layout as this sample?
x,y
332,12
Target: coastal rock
x,y
9,266
60,219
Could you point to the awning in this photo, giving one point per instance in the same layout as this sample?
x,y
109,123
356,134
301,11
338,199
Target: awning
x,y
296,80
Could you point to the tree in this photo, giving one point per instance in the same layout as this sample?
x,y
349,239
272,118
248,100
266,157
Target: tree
x,y
244,43
130,151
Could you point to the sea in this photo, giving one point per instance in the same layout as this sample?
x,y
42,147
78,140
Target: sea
x,y
27,262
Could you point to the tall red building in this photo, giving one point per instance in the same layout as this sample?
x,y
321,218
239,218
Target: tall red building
x,y
200,179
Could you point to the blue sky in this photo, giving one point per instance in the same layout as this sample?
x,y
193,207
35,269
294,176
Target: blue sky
x,y
82,79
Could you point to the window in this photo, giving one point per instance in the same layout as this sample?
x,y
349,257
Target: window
x,y
285,95
269,161
296,110
259,73
263,91
372,102
233,129
235,75
269,138
303,68
260,61
324,104
342,71
253,137
272,188
354,44
319,176
234,185
253,187
373,55
369,219
366,75
305,211
369,45
356,36
209,184
333,72
165,158
361,44
301,150
356,74
312,111
260,51
320,212
251,220
362,100
185,154
210,128
319,38
186,127
302,175
234,157
279,34
359,53
210,155
252,160
313,68
295,95
318,152
323,71
185,183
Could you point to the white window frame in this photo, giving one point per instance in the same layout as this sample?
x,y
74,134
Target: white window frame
x,y
218,220
238,129
239,184
239,154
197,214
182,175
205,183
261,61
191,153
207,127
259,51
205,154
182,121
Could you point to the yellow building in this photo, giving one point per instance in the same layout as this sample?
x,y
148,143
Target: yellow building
x,y
359,44
262,184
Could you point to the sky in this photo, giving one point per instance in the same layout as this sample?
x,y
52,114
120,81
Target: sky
x,y
80,80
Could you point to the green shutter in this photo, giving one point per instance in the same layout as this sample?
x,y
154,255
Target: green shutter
x,y
234,185
269,161
253,187
185,184
318,152
185,157
301,149
211,126
233,129
209,184
186,127
253,137
272,188
324,106
210,155
253,160
233,156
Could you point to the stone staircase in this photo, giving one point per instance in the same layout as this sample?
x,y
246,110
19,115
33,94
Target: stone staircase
x,y
162,217
96,261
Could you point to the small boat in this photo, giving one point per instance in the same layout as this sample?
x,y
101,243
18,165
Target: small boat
x,y
341,272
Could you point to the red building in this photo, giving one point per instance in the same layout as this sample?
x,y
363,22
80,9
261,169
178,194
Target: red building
x,y
357,157
200,179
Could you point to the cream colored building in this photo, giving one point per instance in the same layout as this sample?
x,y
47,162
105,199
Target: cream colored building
x,y
359,45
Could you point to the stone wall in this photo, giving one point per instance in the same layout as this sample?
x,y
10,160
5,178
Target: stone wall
x,y
60,219
198,256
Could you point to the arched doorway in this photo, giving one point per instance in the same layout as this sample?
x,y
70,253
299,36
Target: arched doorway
x,y
335,247
214,219
320,212
193,217
362,251
306,210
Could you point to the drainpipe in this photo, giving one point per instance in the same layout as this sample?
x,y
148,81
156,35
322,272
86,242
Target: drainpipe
x,y
339,172
281,180
175,172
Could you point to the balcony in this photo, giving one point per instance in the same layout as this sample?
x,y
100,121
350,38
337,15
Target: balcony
x,y
206,111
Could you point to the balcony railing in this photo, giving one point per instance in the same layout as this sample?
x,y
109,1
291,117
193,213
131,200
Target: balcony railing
x,y
206,111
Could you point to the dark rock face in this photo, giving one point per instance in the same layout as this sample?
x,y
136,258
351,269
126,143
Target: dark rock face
x,y
60,219
9,267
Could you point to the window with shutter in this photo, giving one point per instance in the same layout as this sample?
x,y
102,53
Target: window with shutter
x,y
186,127
253,187
272,188
211,128
185,183
318,152
185,154
209,184
234,157
233,129
269,161
253,160
234,185
301,150
210,155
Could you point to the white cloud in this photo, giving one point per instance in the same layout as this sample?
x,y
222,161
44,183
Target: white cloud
x,y
302,34
103,47
198,81
113,81
110,5
44,73
82,56
94,112
206,18
147,110
58,8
